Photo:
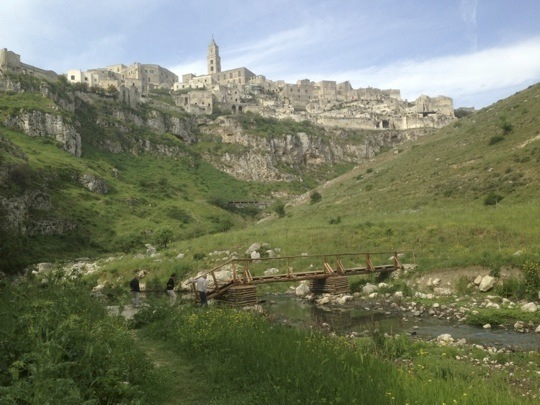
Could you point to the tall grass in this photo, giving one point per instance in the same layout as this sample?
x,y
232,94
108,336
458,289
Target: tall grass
x,y
58,345
249,359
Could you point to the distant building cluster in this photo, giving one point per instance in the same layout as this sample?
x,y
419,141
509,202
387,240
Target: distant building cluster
x,y
240,90
143,77
235,89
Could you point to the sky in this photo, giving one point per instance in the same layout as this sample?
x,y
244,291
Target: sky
x,y
474,51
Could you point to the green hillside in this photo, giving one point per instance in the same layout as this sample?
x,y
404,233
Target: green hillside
x,y
465,196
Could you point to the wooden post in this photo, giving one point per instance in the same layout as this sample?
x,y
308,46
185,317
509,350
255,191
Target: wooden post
x,y
369,264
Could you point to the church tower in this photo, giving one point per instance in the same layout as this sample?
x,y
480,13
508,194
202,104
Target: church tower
x,y
214,61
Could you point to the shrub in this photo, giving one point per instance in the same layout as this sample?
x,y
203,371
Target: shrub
x,y
315,197
179,214
493,198
511,288
531,273
199,256
335,221
496,139
279,209
58,346
506,127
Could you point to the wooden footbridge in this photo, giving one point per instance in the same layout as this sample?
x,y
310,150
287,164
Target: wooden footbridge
x,y
239,277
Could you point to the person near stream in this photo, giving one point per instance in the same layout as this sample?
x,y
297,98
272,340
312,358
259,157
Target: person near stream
x,y
170,289
135,289
200,285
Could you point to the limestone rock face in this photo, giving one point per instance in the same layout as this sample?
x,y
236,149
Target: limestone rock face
x,y
18,211
93,183
263,158
38,123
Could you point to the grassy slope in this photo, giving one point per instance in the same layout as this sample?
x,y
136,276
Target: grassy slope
x,y
429,197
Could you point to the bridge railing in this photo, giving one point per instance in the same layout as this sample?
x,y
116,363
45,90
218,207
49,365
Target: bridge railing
x,y
243,271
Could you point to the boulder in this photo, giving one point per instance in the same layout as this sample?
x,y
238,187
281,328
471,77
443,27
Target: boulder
x,y
445,338
519,326
344,299
369,288
253,248
302,289
529,307
442,291
487,283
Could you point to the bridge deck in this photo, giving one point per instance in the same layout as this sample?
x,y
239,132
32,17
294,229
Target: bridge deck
x,y
244,276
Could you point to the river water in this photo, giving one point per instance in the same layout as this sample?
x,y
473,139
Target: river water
x,y
354,317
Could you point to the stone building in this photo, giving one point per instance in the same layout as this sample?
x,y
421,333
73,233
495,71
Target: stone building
x,y
226,87
326,102
10,62
143,77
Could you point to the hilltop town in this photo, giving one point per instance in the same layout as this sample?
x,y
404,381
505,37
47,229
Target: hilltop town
x,y
238,90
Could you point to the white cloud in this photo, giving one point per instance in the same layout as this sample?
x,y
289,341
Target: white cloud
x,y
457,76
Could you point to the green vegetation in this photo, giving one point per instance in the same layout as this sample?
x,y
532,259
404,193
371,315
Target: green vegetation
x,y
247,359
463,197
58,345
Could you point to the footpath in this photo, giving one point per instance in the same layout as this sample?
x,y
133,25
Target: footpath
x,y
185,384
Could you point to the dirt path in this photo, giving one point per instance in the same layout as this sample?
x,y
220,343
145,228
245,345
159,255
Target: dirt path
x,y
185,384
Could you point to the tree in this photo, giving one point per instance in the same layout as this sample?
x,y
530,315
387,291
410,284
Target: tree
x,y
163,236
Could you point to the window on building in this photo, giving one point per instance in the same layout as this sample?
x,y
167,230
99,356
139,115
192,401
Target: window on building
x,y
72,77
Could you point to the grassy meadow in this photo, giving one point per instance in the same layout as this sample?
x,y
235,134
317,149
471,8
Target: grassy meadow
x,y
72,351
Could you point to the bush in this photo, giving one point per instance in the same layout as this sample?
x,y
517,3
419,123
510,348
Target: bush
x,y
506,127
496,139
531,273
279,209
315,197
493,198
58,346
511,288
199,256
335,221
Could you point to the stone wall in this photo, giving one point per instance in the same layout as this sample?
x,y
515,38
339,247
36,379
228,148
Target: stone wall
x,y
11,62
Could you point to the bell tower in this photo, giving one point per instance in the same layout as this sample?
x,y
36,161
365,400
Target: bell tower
x,y
213,59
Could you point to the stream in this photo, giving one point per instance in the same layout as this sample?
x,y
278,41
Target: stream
x,y
355,318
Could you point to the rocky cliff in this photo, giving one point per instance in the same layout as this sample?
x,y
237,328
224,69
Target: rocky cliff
x,y
78,119
86,124
271,158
